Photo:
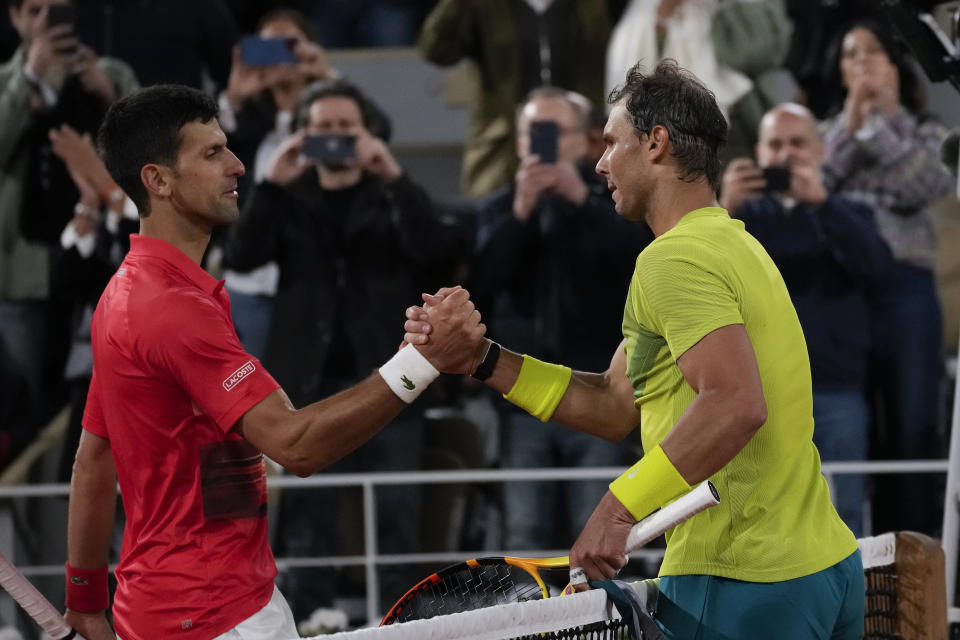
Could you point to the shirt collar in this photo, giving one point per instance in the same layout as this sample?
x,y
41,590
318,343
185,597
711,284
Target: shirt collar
x,y
156,248
702,212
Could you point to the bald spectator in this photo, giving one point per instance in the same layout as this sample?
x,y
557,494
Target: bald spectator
x,y
826,247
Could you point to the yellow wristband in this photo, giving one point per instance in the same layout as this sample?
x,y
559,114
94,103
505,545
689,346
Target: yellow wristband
x,y
649,484
539,387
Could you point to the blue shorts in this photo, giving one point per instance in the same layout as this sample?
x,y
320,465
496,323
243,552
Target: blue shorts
x,y
827,605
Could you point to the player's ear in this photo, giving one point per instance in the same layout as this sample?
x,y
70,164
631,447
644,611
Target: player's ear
x,y
158,179
657,142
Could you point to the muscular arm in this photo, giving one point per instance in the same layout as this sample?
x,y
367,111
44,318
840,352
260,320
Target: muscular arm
x,y
93,497
306,440
601,404
729,407
728,410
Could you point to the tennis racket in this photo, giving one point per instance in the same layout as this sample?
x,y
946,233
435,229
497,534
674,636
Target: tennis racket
x,y
485,582
33,602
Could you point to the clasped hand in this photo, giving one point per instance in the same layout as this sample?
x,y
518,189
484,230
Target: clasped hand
x,y
447,330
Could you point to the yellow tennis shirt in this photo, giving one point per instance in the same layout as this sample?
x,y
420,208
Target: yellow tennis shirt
x,y
775,520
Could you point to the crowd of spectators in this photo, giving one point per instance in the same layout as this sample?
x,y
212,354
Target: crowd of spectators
x,y
833,166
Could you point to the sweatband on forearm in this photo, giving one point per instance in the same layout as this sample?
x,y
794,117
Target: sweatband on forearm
x,y
649,484
539,387
87,590
408,373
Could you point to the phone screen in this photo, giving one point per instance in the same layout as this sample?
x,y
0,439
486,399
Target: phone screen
x,y
330,149
543,140
266,52
777,178
59,14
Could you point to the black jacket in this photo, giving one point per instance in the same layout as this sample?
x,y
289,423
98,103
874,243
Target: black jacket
x,y
347,274
554,286
827,255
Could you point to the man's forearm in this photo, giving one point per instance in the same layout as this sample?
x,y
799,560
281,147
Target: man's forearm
x,y
93,497
592,402
712,431
338,425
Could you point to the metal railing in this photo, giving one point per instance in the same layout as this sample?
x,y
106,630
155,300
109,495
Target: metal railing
x,y
371,559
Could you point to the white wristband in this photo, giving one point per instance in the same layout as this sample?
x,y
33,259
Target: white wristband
x,y
408,373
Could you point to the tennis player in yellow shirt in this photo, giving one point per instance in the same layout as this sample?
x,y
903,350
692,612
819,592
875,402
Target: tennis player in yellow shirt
x,y
714,370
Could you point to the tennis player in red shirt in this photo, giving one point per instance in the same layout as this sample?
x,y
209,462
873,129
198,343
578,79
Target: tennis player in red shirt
x,y
181,415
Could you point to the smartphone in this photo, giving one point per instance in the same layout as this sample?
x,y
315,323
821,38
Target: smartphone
x,y
543,140
777,178
58,14
330,149
265,52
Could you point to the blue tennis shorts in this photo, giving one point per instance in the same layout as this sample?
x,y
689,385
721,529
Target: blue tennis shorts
x,y
827,605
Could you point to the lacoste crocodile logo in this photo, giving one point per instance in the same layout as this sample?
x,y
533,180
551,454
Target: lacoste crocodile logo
x,y
407,383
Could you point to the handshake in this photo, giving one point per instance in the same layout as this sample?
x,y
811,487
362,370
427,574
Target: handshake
x,y
447,331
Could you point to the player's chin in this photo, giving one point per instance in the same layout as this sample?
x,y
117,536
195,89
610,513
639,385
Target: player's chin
x,y
227,212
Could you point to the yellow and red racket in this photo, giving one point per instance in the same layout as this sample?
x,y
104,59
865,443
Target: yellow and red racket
x,y
485,582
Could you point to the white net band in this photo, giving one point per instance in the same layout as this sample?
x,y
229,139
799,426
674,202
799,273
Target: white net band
x,y
878,551
495,623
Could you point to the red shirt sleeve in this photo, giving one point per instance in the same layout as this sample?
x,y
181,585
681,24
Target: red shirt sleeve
x,y
194,342
93,411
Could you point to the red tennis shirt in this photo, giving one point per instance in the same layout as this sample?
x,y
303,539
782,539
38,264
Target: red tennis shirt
x,y
170,380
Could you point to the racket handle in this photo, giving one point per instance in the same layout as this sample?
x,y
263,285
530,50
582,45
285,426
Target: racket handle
x,y
33,602
686,506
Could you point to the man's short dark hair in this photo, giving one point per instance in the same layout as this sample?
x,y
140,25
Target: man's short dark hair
x,y
374,120
673,98
145,128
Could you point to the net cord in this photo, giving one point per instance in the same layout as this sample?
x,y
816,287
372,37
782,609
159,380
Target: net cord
x,y
494,623
878,551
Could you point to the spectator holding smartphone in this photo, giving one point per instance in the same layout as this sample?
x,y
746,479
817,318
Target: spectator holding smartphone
x,y
353,237
52,80
556,226
827,247
256,112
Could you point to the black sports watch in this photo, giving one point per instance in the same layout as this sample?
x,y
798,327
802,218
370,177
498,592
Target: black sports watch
x,y
485,370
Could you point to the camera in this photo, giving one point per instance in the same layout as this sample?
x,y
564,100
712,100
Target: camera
x,y
543,140
332,150
777,178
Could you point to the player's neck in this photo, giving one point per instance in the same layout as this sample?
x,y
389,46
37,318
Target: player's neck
x,y
675,200
189,237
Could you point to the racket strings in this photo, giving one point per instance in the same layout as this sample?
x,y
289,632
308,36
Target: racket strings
x,y
471,588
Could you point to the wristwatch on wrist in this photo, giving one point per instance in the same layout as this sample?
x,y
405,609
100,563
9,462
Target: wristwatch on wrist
x,y
485,370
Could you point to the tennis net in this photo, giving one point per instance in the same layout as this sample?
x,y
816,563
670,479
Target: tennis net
x,y
906,587
579,616
905,600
